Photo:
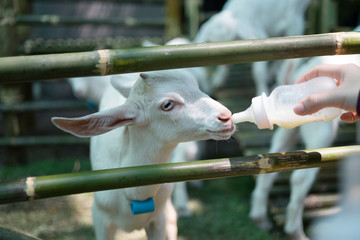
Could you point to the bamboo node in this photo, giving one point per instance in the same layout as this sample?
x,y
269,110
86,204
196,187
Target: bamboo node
x,y
130,22
265,162
339,44
53,19
103,66
30,189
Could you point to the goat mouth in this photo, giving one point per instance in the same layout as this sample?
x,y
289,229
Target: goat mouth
x,y
226,130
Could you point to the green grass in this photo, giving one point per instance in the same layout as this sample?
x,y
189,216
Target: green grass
x,y
224,214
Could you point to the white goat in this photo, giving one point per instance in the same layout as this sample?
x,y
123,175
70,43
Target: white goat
x,y
243,19
163,108
187,151
89,88
314,135
344,225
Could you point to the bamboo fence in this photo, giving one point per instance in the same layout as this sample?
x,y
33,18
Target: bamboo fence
x,y
73,20
72,183
107,62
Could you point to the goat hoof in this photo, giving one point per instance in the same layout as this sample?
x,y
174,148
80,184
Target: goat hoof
x,y
197,183
297,236
292,237
183,212
263,224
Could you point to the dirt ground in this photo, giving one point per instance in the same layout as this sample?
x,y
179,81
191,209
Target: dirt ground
x,y
64,218
54,218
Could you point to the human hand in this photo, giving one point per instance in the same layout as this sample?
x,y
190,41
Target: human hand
x,y
344,96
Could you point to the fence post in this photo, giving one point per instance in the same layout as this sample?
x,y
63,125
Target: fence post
x,y
173,18
192,11
13,93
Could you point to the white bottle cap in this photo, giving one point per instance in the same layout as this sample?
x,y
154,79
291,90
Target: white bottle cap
x,y
260,114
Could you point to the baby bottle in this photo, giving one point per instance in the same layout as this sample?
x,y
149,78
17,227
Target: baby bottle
x,y
278,107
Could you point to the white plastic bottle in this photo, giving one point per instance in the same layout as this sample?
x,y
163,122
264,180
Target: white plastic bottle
x,y
278,107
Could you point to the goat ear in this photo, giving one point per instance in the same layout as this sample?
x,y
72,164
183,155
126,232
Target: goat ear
x,y
147,43
100,122
123,84
244,31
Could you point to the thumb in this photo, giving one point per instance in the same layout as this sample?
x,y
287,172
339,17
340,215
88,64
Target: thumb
x,y
350,117
316,102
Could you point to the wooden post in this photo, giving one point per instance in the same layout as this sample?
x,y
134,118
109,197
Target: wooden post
x,y
192,11
328,13
173,18
312,15
13,93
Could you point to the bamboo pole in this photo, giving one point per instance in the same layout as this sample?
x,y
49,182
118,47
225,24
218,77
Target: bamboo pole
x,y
42,140
42,105
72,183
106,62
15,234
74,20
46,46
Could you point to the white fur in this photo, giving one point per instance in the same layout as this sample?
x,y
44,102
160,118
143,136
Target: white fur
x,y
344,225
136,131
314,135
244,19
184,152
89,88
188,151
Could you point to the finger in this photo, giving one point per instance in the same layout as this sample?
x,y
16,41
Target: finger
x,y
316,102
350,117
326,70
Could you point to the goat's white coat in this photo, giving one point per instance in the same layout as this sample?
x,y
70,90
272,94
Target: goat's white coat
x,y
243,19
187,151
90,88
313,135
184,152
148,136
345,224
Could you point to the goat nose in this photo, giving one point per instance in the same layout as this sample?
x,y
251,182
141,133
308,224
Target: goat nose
x,y
225,116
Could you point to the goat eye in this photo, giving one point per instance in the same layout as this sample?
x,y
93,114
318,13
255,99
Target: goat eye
x,y
167,106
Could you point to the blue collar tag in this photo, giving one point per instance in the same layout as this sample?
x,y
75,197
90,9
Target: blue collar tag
x,y
140,207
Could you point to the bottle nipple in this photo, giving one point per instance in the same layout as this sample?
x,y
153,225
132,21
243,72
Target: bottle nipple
x,y
244,116
256,113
